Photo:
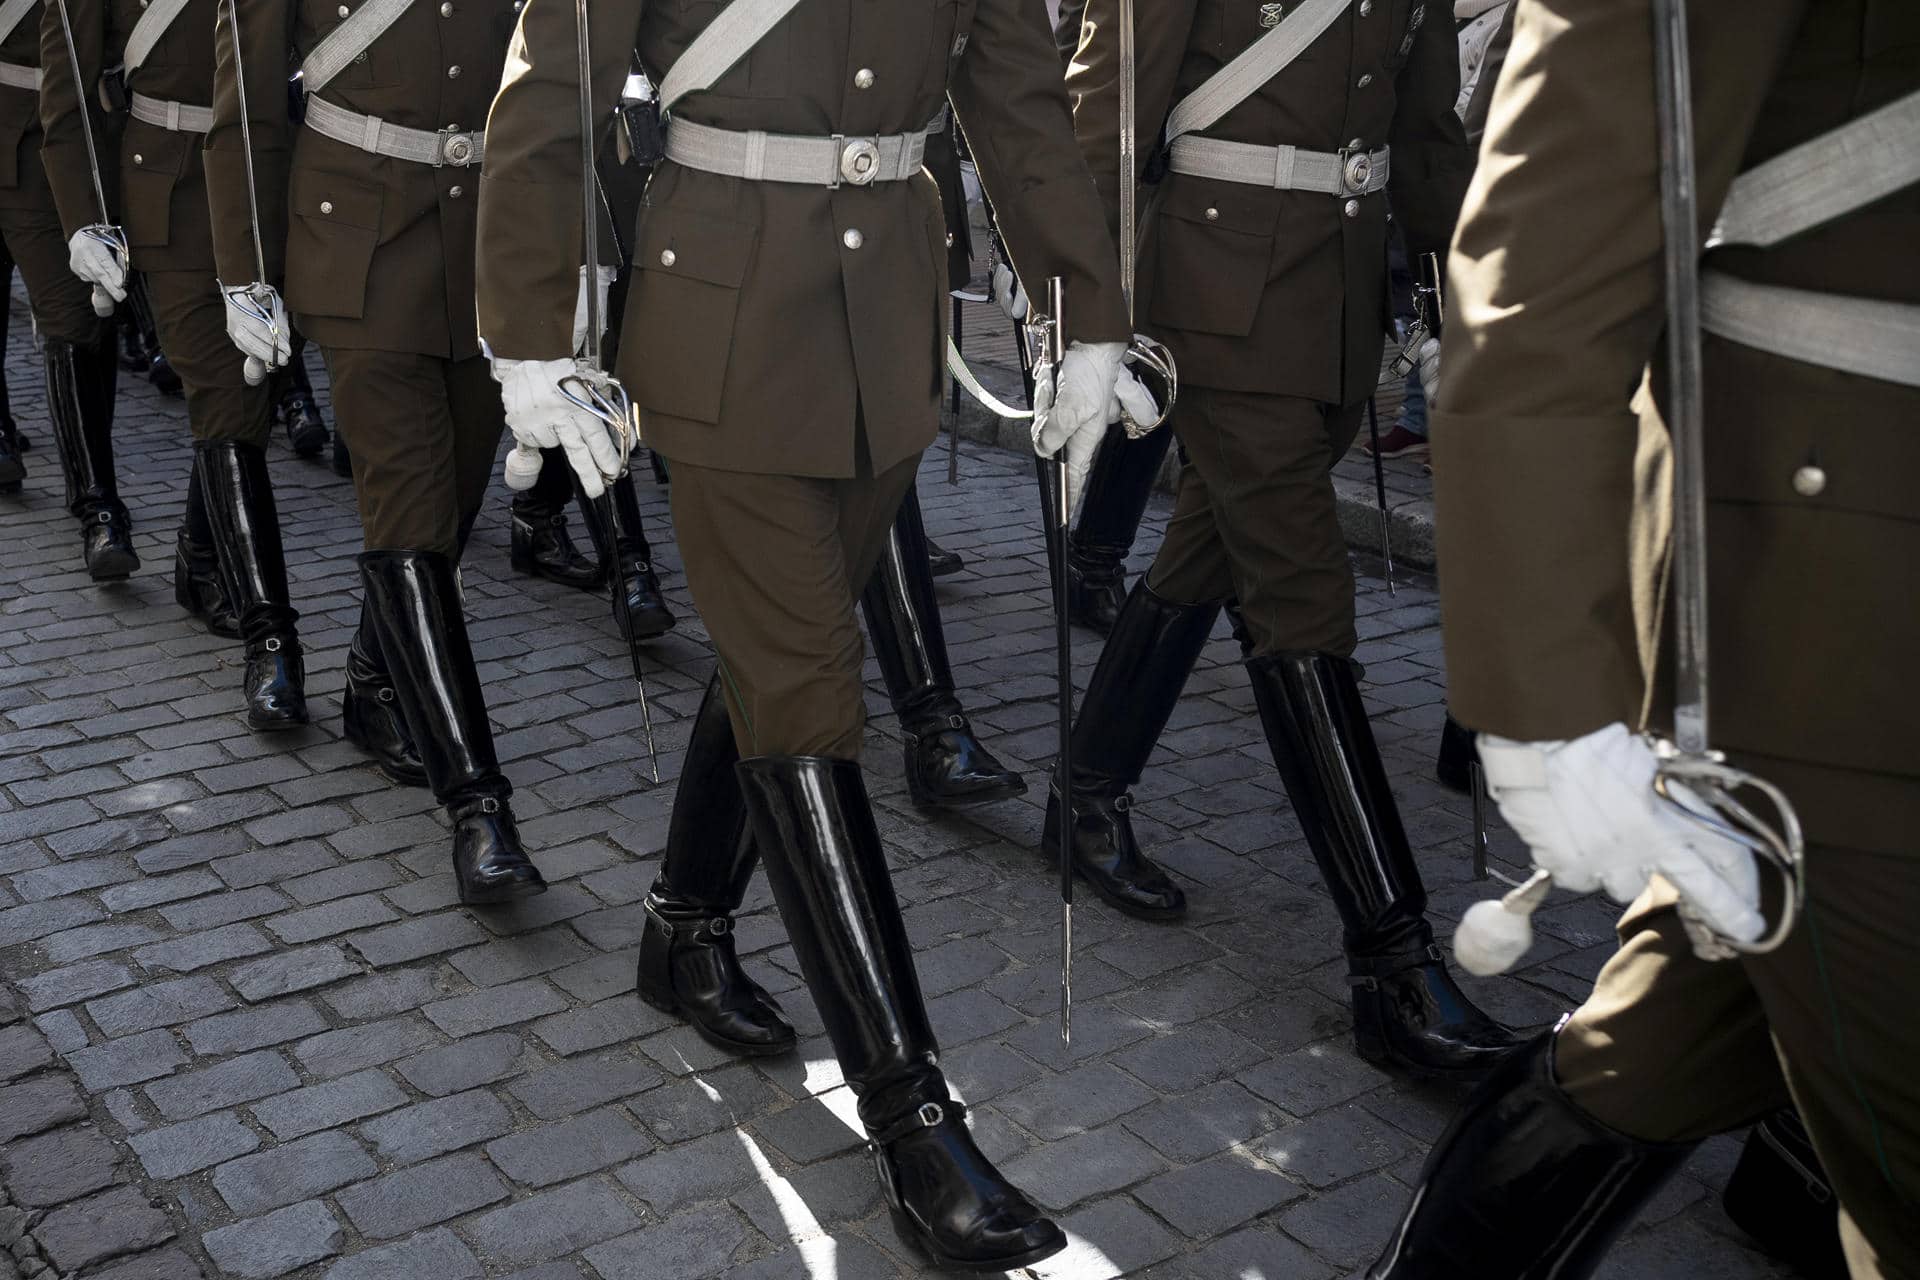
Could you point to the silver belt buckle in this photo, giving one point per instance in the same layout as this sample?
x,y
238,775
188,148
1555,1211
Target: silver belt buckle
x,y
1356,170
455,149
859,160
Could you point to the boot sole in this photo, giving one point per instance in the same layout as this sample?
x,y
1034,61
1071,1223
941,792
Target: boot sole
x,y
1378,1055
277,726
499,897
1113,900
530,569
672,1009
969,799
907,1232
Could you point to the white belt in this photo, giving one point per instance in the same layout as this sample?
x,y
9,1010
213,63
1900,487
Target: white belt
x,y
20,77
1862,336
1333,173
177,116
779,157
442,147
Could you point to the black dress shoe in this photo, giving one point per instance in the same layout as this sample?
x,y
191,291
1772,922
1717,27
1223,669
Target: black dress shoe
x,y
949,1203
543,547
688,968
647,615
275,683
1411,1017
306,430
489,865
1095,597
949,768
107,545
941,562
1108,858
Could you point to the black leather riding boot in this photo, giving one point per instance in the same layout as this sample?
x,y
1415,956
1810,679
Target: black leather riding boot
x,y
370,710
946,764
140,341
246,539
341,459
1524,1185
1408,1013
197,587
80,390
824,859
13,469
542,545
646,605
415,604
1453,766
688,965
941,562
294,403
1133,692
1118,489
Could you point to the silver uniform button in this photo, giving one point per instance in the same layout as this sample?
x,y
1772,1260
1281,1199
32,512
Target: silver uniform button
x,y
1356,144
668,257
138,158
1366,78
453,73
1351,208
1213,215
343,11
863,78
852,238
455,192
1809,481
1366,8
446,10
326,206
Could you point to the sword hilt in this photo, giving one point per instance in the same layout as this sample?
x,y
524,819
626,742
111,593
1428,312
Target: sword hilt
x,y
1781,844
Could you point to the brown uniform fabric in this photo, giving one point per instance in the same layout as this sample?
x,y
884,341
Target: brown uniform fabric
x,y
776,565
1256,518
1670,1048
158,193
1280,292
1542,515
764,339
424,433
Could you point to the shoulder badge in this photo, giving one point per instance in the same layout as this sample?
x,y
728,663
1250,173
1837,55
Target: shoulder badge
x,y
1270,15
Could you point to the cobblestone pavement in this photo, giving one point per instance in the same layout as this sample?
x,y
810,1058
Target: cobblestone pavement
x,y
245,1030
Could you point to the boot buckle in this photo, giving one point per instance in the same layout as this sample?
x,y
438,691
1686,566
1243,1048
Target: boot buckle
x,y
385,694
719,926
1123,803
271,644
489,804
956,722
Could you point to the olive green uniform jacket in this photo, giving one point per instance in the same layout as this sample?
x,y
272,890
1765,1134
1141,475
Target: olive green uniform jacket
x,y
766,320
1550,537
1280,292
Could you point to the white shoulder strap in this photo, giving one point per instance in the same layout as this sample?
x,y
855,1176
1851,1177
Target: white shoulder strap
x,y
153,24
726,40
1824,178
348,41
1258,63
12,13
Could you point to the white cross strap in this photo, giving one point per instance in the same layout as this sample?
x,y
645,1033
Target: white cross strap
x,y
1825,178
348,41
1258,63
12,13
727,39
153,24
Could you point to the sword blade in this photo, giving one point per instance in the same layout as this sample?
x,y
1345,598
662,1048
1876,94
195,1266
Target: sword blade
x,y
1128,146
590,225
246,138
1057,518
1380,493
86,121
607,515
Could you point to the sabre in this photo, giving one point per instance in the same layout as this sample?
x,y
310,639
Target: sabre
x,y
105,231
1055,519
1143,352
258,295
1380,493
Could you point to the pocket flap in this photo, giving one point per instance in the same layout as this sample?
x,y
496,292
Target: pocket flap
x,y
695,246
1212,252
326,197
1235,206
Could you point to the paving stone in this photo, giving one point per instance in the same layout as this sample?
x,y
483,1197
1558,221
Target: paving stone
x,y
1075,1101
454,1067
835,1257
1258,1251
158,1004
706,1169
809,1201
330,918
554,1223
181,1149
72,877
807,1131
580,1083
1347,1225
95,940
1313,1078
105,1226
336,1053
59,1166
63,1030
1216,1195
525,956
36,1104
434,1128
161,1264
222,908
1188,1058
1061,1174
380,995
436,1255
74,983
340,882
38,919
495,1007
1331,1147
555,1152
713,1100
697,1243
1113,1237
261,1248
22,1049
1205,1121
198,950
246,1029
618,1020
291,1172
328,1104
422,1195
129,1060
414,939
238,1080
290,971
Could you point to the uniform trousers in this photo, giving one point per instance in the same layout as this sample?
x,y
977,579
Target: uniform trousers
x,y
424,433
1671,1048
191,319
776,565
62,305
1256,519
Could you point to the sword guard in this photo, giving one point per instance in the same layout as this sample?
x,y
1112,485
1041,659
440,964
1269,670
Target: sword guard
x,y
601,395
1152,363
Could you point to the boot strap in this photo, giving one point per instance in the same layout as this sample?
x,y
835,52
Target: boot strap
x,y
1385,966
713,926
926,1116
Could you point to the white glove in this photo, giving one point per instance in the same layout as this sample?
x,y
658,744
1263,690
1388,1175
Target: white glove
x,y
607,275
257,325
541,416
1588,810
93,256
1007,293
1429,354
1073,410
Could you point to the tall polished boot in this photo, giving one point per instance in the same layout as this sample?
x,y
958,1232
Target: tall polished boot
x,y
632,560
688,965
946,764
294,404
80,390
1119,487
824,859
542,546
1408,1014
1524,1185
197,586
140,341
415,604
370,710
1131,696
246,538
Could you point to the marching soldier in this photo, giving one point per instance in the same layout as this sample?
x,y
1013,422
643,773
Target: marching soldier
x,y
81,364
782,344
1263,269
369,213
231,529
1551,538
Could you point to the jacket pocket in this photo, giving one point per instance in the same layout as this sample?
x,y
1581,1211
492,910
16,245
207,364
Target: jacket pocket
x,y
689,268
1213,244
153,160
331,239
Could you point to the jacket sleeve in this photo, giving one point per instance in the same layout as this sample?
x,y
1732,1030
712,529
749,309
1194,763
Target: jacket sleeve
x,y
1008,94
1161,31
64,148
1557,306
1431,163
530,215
265,44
